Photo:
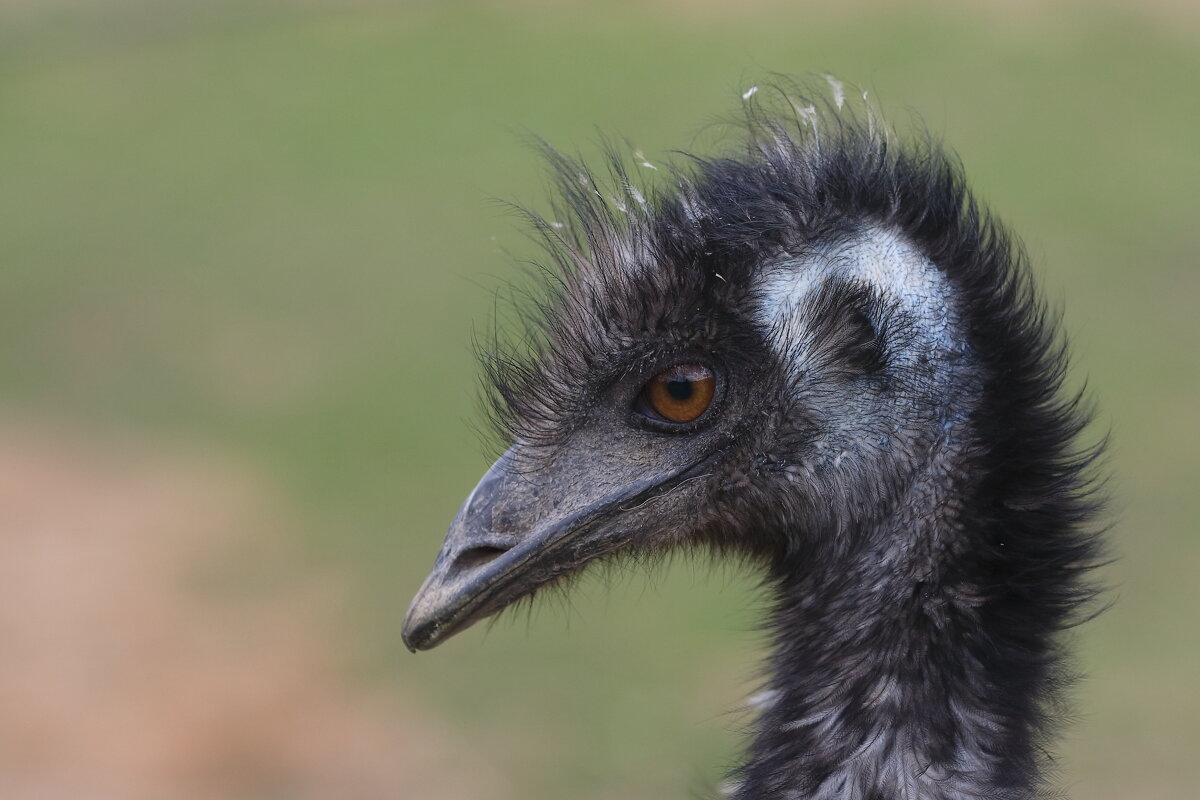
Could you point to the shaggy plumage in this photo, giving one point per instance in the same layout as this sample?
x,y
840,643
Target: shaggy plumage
x,y
889,440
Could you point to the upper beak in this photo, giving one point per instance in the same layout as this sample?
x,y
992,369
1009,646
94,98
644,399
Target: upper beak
x,y
517,532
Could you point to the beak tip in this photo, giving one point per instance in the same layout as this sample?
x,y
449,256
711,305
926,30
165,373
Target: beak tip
x,y
415,641
414,634
423,626
423,637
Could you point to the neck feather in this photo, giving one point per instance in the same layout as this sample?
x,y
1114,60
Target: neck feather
x,y
923,663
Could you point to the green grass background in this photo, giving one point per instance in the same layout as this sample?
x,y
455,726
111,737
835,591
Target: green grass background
x,y
272,226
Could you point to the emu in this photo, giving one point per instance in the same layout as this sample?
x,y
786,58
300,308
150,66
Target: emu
x,y
823,357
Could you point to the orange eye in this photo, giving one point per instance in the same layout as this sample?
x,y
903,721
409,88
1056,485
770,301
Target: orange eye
x,y
681,393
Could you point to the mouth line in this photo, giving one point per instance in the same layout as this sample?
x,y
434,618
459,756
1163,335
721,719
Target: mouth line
x,y
505,569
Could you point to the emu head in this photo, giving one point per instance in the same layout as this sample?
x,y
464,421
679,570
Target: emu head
x,y
768,359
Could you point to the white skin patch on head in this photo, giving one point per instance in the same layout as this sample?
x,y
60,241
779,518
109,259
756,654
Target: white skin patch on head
x,y
880,258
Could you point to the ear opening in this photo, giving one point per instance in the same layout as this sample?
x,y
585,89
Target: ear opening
x,y
846,326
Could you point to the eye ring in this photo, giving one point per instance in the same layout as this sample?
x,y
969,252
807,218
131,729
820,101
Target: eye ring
x,y
678,395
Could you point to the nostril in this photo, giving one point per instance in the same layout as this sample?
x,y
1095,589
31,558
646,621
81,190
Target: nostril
x,y
478,556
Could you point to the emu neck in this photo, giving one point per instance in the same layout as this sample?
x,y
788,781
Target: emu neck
x,y
890,679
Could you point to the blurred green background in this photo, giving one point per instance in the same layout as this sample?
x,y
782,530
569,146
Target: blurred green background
x,y
259,235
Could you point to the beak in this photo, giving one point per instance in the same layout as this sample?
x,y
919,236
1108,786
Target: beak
x,y
521,529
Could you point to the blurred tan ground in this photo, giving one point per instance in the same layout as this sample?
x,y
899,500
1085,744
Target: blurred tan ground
x,y
153,645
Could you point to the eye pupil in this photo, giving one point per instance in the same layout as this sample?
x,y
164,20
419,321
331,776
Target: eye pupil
x,y
680,389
